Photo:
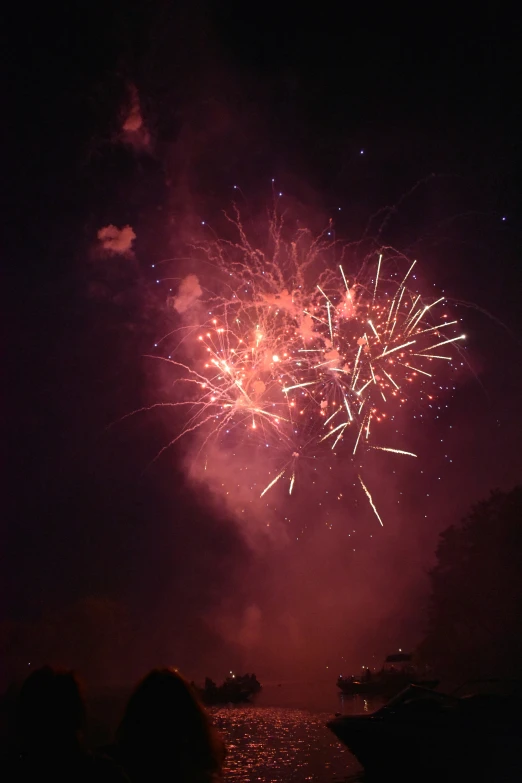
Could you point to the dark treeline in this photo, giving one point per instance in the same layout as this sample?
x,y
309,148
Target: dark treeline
x,y
474,622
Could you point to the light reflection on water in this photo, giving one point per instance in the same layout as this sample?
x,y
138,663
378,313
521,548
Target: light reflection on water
x,y
274,744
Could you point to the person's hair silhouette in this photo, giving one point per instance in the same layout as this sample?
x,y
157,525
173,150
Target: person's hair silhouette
x,y
51,719
166,734
51,711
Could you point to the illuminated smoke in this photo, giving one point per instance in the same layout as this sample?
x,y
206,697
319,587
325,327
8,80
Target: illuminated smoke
x,y
188,294
117,241
134,130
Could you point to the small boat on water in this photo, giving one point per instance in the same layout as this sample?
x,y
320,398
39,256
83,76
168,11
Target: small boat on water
x,y
398,671
237,689
473,733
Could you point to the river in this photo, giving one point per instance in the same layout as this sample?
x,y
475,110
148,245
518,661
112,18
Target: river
x,y
274,744
283,737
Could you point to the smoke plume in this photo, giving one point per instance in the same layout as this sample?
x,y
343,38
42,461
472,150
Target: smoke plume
x,y
117,241
134,131
188,294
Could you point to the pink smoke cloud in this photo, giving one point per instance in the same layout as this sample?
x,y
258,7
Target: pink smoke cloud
x,y
133,129
117,241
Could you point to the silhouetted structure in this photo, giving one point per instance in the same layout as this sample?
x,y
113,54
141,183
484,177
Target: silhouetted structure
x,y
165,733
49,733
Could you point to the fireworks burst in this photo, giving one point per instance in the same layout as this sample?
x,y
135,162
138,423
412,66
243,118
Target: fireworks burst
x,y
306,353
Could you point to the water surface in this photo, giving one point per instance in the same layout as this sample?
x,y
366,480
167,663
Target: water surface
x,y
274,744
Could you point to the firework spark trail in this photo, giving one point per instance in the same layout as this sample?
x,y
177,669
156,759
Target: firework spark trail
x,y
274,481
391,379
338,438
395,451
358,436
355,366
397,348
377,278
343,424
290,344
372,504
374,330
400,292
445,342
439,326
345,283
331,417
420,315
433,356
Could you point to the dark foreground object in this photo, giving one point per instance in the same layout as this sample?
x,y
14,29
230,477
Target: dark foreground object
x,y
238,689
398,671
166,735
474,733
44,740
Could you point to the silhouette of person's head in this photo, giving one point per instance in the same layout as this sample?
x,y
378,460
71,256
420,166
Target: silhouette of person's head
x,y
165,727
51,711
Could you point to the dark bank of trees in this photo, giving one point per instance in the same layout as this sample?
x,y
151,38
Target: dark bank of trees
x,y
475,613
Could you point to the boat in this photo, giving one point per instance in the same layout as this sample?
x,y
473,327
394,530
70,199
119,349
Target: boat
x,y
237,689
398,671
473,733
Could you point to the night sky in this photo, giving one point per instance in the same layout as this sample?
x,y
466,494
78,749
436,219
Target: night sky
x,y
358,108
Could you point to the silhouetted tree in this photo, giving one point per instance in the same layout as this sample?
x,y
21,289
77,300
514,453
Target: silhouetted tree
x,y
475,625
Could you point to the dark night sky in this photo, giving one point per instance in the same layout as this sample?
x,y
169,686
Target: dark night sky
x,y
231,94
